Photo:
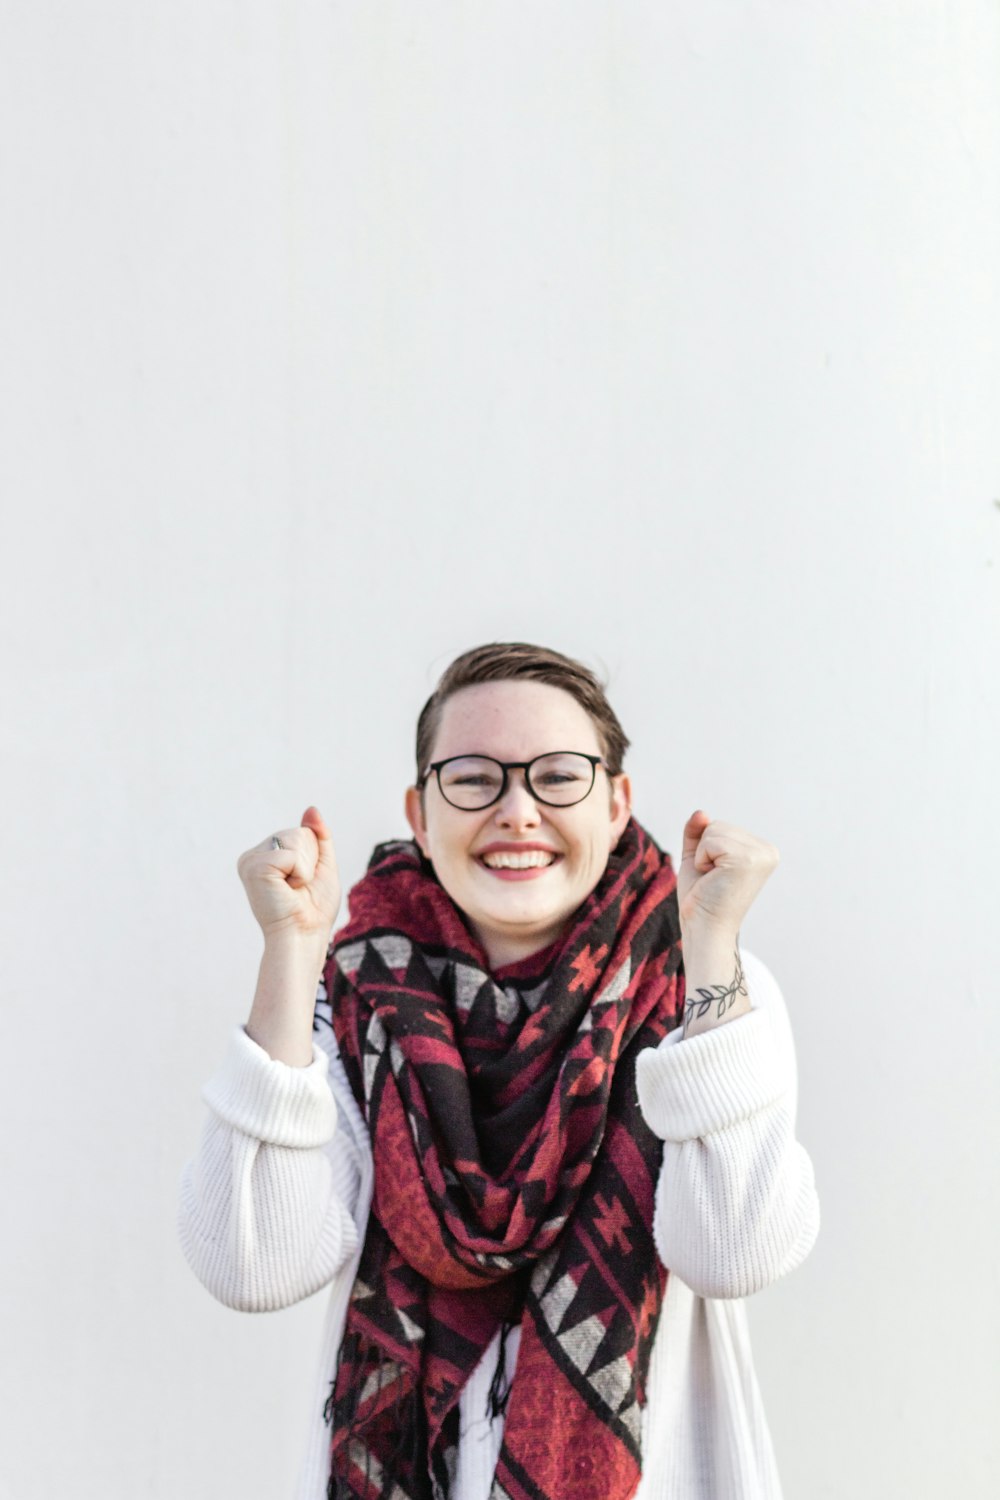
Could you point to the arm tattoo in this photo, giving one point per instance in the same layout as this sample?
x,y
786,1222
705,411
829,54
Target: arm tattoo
x,y
720,995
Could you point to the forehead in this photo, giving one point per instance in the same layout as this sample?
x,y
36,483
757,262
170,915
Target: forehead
x,y
513,721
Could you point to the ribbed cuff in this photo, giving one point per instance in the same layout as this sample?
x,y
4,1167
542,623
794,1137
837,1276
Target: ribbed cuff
x,y
270,1100
706,1082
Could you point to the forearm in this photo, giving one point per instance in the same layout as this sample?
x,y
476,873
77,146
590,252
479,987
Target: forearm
x,y
736,1203
715,986
281,1019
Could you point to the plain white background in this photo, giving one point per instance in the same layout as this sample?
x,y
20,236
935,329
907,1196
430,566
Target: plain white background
x,y
339,337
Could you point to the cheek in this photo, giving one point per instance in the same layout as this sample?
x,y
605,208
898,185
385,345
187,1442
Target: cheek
x,y
450,844
598,850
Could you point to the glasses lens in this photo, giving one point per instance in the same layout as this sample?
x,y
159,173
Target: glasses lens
x,y
562,779
471,781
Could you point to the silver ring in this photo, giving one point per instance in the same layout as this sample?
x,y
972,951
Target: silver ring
x,y
276,842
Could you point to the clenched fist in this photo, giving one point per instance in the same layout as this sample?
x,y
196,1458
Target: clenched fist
x,y
294,890
722,870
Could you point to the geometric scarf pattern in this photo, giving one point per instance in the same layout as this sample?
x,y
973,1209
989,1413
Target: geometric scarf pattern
x,y
513,1180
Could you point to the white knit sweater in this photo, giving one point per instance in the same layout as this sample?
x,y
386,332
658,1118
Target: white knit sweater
x,y
275,1203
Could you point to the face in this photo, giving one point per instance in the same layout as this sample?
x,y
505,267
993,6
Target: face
x,y
517,913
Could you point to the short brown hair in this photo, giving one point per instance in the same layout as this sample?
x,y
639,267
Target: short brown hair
x,y
502,661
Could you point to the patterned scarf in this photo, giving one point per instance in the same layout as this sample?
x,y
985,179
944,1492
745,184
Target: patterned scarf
x,y
514,1180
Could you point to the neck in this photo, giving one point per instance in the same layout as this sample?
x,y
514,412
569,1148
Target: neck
x,y
504,949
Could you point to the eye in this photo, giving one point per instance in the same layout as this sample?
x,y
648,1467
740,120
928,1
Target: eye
x,y
471,772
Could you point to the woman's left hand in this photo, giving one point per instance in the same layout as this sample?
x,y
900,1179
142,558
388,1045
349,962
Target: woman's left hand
x,y
722,870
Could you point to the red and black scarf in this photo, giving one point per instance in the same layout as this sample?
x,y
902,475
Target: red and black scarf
x,y
514,1180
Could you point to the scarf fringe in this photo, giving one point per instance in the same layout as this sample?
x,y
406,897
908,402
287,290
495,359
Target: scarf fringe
x,y
403,1455
500,1386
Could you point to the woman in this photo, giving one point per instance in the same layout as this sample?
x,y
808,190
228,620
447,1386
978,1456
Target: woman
x,y
539,1156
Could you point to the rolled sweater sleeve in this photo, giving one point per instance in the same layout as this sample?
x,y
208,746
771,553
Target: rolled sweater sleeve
x,y
266,1214
736,1204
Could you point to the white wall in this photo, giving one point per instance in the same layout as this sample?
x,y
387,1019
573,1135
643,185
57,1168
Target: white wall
x,y
337,338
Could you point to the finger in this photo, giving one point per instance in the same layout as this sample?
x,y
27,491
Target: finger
x,y
294,861
693,830
290,857
295,855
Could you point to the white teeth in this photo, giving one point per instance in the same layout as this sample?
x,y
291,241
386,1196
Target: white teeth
x,y
531,859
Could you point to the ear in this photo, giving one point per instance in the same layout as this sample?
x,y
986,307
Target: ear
x,y
621,805
413,807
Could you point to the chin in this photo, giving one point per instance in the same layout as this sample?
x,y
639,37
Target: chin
x,y
536,924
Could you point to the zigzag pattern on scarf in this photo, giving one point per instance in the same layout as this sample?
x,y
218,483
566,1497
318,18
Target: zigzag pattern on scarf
x,y
514,1181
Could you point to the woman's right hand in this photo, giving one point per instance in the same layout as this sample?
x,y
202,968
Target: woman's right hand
x,y
294,891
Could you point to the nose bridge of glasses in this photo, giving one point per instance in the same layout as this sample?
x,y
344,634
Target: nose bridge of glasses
x,y
516,776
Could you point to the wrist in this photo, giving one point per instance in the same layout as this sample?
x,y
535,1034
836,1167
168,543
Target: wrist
x,y
714,984
708,936
281,1018
293,946
291,968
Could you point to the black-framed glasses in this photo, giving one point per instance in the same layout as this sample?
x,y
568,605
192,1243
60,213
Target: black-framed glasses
x,y
560,778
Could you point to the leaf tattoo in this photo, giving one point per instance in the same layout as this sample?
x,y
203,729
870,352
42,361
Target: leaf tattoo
x,y
722,996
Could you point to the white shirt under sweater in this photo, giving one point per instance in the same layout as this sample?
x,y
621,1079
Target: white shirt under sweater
x,y
275,1204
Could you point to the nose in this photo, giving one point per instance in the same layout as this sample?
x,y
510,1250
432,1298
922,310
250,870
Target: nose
x,y
517,808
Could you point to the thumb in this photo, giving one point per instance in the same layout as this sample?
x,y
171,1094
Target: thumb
x,y
693,830
312,819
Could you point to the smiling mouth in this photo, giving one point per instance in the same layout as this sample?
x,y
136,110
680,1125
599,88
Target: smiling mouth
x,y
530,859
